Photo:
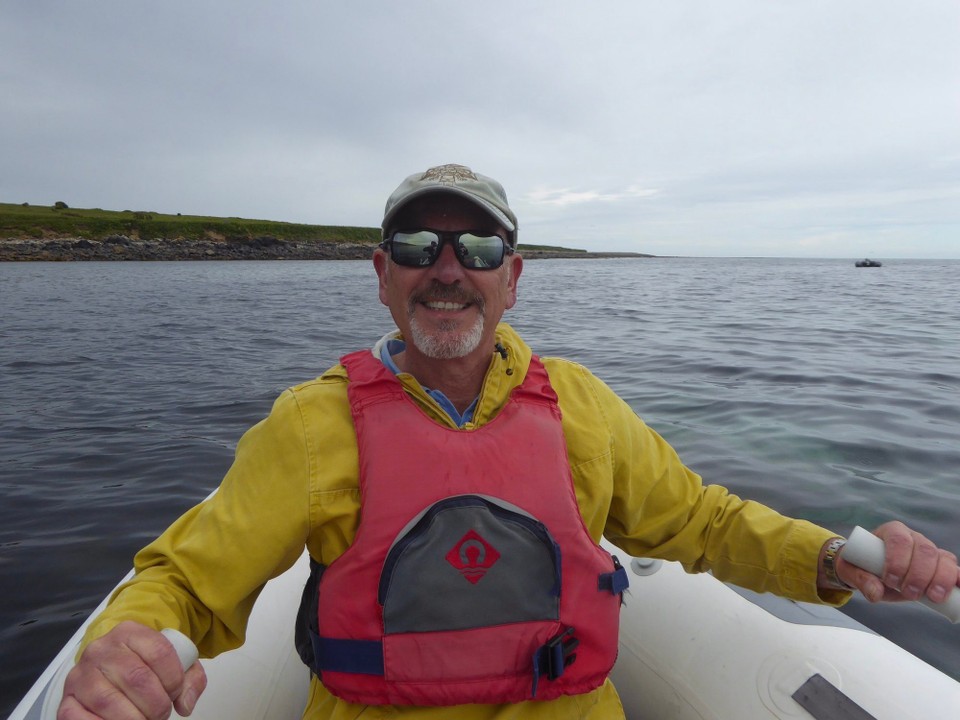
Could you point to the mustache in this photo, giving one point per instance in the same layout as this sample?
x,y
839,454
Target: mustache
x,y
447,293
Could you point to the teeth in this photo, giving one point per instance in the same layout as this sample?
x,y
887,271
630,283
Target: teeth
x,y
437,305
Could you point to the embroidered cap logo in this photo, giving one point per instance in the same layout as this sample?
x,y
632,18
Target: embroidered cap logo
x,y
472,556
449,174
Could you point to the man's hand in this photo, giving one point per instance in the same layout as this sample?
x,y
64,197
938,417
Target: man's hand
x,y
132,672
914,567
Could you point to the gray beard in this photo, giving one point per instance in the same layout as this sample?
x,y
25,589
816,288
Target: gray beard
x,y
447,343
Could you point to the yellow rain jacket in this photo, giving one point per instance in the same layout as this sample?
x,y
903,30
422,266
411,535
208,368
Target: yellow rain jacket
x,y
294,483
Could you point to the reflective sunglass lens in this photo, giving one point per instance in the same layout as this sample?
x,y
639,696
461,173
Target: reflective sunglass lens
x,y
414,249
481,252
422,248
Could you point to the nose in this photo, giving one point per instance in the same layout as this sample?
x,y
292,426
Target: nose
x,y
447,269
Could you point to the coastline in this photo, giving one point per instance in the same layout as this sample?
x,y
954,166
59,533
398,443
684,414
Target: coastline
x,y
265,247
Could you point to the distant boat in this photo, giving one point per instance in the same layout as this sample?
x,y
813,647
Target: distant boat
x,y
867,262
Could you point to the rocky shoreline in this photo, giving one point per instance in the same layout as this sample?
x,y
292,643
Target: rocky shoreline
x,y
121,247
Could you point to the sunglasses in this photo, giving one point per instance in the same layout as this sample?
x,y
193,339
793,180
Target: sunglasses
x,y
421,248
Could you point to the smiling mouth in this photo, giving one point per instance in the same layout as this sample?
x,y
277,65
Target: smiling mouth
x,y
445,305
446,298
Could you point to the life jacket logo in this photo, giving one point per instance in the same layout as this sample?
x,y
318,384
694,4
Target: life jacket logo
x,y
472,556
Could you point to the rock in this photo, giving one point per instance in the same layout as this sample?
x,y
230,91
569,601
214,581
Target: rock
x,y
265,247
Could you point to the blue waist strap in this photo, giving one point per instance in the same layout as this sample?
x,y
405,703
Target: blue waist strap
x,y
350,656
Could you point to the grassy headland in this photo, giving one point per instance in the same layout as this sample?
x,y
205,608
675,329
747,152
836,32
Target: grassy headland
x,y
39,222
59,232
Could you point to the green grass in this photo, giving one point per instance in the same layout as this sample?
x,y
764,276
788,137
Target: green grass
x,y
549,248
21,221
42,221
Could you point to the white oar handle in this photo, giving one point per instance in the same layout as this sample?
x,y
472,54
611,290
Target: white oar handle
x,y
866,550
186,650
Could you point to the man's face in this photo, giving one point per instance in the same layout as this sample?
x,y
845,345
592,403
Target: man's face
x,y
447,311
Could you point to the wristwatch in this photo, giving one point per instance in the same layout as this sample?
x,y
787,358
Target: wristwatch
x,y
830,563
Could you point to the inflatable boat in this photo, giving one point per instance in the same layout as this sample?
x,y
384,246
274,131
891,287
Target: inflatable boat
x,y
691,648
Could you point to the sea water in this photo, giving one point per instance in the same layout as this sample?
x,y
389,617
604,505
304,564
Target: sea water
x,y
826,391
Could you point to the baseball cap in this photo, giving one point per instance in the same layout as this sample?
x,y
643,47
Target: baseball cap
x,y
459,180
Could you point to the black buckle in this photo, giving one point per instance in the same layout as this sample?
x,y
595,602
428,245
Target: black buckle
x,y
558,653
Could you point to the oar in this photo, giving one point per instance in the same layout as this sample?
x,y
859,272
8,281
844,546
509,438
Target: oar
x,y
186,651
866,550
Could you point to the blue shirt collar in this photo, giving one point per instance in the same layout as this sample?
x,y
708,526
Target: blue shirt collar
x,y
392,347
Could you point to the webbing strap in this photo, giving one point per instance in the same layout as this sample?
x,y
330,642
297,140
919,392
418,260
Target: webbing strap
x,y
825,701
364,657
614,582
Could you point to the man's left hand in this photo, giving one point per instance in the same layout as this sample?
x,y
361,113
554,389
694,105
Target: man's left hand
x,y
914,567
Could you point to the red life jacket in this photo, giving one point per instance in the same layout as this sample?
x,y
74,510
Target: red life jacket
x,y
472,577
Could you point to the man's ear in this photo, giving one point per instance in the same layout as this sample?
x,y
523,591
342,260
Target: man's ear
x,y
380,262
516,267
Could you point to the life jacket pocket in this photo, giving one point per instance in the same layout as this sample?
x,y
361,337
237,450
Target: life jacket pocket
x,y
466,562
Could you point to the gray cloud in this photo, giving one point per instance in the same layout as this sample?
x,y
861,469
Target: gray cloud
x,y
736,129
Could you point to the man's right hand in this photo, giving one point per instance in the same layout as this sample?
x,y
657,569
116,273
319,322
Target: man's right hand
x,y
132,673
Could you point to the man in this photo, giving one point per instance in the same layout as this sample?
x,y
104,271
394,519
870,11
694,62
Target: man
x,y
448,433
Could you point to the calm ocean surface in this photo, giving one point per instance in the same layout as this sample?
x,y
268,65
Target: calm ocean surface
x,y
827,391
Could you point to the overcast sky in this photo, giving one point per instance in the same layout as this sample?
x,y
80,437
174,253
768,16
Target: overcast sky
x,y
806,128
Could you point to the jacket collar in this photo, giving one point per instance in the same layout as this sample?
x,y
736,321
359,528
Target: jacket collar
x,y
506,371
